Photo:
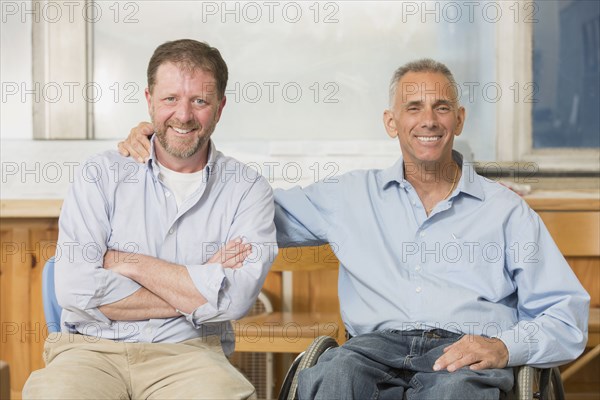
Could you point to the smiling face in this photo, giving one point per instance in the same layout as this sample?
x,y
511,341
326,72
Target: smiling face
x,y
185,108
425,117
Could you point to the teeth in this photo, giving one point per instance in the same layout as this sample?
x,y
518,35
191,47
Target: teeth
x,y
181,130
428,138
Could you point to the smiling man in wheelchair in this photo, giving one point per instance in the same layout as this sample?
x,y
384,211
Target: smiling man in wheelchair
x,y
447,280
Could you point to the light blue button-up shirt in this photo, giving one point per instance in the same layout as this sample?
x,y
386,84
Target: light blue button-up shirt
x,y
481,263
116,203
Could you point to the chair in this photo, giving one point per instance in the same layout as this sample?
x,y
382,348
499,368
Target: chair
x,y
530,383
52,309
313,313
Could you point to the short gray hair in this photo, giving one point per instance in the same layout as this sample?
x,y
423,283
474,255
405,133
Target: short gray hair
x,y
422,65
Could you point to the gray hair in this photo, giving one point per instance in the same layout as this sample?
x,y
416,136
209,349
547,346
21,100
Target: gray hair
x,y
422,65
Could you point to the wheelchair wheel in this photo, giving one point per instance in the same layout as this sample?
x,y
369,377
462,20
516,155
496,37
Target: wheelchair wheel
x,y
310,357
556,390
287,381
550,385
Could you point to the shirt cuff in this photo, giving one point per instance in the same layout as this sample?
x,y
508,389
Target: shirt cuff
x,y
111,287
516,342
209,279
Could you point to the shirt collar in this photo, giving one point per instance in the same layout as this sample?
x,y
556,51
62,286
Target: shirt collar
x,y
468,183
152,163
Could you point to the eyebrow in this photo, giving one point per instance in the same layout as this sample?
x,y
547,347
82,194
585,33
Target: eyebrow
x,y
437,103
443,103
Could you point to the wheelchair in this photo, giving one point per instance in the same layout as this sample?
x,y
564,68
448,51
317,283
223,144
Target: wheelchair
x,y
530,383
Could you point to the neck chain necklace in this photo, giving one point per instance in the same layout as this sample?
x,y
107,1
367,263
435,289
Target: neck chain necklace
x,y
429,210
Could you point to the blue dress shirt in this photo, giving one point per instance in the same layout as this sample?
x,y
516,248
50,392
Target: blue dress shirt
x,y
116,203
481,263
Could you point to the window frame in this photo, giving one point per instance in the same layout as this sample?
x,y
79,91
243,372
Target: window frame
x,y
514,136
61,50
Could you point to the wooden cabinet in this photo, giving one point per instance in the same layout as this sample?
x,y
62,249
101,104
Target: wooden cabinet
x,y
26,244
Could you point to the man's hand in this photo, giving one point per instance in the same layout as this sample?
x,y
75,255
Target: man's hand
x,y
477,352
232,255
137,144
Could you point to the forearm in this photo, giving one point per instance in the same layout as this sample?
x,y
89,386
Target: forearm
x,y
141,305
170,282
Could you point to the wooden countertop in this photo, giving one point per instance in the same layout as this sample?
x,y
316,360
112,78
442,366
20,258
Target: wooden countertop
x,y
564,200
42,208
581,200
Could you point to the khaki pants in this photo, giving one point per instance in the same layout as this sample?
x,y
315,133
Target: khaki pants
x,y
83,367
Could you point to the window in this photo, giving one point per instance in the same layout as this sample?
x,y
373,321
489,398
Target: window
x,y
547,123
319,71
566,70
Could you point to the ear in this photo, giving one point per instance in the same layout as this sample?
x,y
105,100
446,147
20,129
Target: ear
x,y
220,109
460,120
148,100
390,123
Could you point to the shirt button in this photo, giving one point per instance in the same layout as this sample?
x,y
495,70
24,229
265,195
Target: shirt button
x,y
418,268
422,234
414,203
148,330
418,289
168,194
171,231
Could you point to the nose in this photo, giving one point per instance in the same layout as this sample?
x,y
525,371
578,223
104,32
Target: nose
x,y
429,119
183,112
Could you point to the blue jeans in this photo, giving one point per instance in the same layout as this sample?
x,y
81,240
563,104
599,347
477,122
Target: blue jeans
x,y
397,365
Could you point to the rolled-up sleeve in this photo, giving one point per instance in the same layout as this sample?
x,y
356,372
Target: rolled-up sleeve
x,y
304,216
82,284
230,293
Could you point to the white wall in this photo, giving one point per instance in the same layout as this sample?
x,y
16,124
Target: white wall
x,y
356,51
15,71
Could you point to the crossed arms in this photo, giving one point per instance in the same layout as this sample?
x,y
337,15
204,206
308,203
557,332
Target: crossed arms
x,y
167,288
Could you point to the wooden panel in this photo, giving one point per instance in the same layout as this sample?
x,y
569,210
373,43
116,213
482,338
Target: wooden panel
x,y
305,259
575,233
587,270
594,327
584,382
272,288
17,264
317,291
6,262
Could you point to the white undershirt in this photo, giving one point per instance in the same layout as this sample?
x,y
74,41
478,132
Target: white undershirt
x,y
181,184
